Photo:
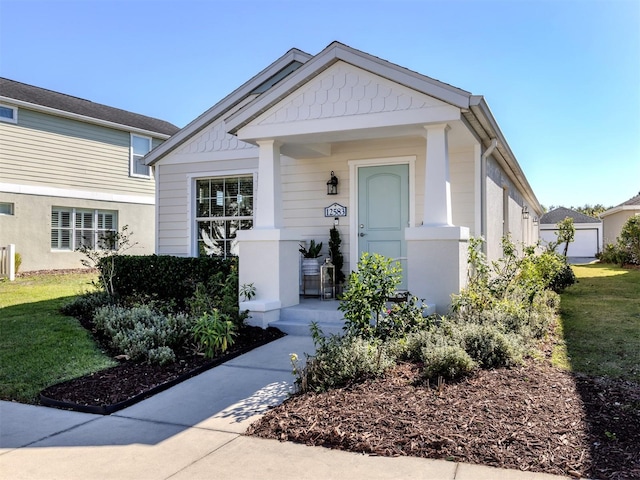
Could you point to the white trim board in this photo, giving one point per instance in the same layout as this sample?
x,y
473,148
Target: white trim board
x,y
69,193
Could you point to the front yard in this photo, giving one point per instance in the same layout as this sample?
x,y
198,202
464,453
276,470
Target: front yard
x,y
579,420
576,413
38,345
600,323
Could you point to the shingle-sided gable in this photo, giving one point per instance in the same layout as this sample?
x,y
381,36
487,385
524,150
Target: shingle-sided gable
x,y
67,103
343,90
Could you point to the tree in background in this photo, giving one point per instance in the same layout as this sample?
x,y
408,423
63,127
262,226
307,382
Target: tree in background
x,y
566,233
629,240
587,209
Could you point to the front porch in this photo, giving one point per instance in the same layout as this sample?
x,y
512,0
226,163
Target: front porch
x,y
297,319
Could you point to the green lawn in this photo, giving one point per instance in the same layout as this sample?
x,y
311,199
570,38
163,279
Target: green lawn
x,y
38,345
601,322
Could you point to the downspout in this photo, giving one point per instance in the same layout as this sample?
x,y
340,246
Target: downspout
x,y
483,191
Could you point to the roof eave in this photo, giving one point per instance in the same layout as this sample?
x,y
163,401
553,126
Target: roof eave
x,y
224,105
83,118
619,208
480,109
333,53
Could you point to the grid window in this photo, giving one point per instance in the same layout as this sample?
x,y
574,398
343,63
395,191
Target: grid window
x,y
73,228
223,207
140,146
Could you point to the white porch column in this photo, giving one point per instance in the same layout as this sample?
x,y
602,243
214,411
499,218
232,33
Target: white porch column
x,y
269,206
436,250
268,253
437,188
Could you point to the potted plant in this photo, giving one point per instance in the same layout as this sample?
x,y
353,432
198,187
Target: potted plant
x,y
336,256
310,264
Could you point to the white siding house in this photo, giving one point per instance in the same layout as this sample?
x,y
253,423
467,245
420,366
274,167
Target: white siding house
x,y
422,166
614,219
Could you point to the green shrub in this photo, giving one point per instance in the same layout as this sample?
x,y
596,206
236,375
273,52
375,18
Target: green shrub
x,y
401,318
340,361
610,254
165,277
161,355
627,249
447,361
488,346
84,306
367,292
137,331
562,279
410,346
629,240
214,333
17,259
219,293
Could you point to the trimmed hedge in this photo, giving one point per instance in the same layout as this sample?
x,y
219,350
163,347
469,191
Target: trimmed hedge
x,y
166,277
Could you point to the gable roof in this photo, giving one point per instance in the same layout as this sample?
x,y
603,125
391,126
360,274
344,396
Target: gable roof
x,y
632,204
333,53
42,99
560,213
291,60
245,104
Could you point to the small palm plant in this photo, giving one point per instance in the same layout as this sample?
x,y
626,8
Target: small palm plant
x,y
313,251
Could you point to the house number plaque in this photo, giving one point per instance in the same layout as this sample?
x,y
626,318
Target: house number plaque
x,y
335,210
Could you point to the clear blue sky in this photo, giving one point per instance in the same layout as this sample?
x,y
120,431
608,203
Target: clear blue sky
x,y
562,77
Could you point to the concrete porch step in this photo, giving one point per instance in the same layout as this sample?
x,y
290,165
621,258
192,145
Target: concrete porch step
x,y
297,320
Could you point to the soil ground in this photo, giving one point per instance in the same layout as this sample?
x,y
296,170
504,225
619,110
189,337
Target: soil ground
x,y
532,418
129,379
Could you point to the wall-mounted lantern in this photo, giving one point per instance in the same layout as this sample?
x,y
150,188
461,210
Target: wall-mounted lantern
x,y
332,185
535,221
525,213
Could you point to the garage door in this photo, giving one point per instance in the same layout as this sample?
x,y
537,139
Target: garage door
x,y
585,242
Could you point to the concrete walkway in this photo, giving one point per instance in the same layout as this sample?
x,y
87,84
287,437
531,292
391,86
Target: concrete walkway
x,y
194,431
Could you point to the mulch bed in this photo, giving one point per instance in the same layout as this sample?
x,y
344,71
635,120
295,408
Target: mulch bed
x,y
128,381
534,418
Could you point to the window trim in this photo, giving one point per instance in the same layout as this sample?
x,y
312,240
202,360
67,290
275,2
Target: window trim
x,y
14,118
193,204
73,228
132,157
12,209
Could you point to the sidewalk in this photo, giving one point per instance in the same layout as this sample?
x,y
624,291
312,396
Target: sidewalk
x,y
194,431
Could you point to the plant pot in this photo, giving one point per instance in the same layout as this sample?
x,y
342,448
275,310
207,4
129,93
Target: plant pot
x,y
310,266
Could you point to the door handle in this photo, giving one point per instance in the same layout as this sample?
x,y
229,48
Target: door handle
x,y
362,234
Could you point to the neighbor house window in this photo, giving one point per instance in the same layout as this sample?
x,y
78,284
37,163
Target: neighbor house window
x,y
8,114
140,146
6,208
72,228
223,206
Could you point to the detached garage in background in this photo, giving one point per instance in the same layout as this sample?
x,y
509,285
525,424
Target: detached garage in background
x,y
587,241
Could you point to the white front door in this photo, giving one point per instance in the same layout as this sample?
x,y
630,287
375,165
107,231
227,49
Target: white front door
x,y
383,212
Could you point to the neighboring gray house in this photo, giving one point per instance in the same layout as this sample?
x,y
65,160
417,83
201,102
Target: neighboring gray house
x,y
71,169
588,236
421,166
614,218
